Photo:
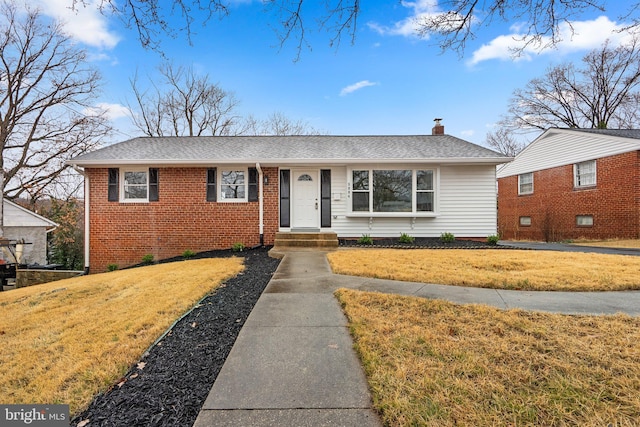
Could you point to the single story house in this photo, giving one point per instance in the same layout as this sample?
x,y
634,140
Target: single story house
x,y
570,184
162,196
23,225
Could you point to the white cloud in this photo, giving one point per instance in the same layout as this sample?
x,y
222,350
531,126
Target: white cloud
x,y
85,24
575,37
112,111
408,27
356,86
467,133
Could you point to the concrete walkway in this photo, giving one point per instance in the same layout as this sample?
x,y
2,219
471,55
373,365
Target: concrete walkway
x,y
293,362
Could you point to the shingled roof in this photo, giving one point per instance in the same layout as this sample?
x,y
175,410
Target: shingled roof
x,y
289,150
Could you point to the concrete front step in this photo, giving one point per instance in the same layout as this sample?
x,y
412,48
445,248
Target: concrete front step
x,y
306,240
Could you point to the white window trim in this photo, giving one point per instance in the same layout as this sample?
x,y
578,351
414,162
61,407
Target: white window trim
x,y
595,174
414,213
123,171
219,184
520,192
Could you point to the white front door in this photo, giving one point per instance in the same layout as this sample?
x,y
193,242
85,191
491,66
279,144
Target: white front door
x,y
305,206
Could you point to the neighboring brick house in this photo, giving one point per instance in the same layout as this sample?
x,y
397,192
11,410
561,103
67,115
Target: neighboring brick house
x,y
570,184
163,196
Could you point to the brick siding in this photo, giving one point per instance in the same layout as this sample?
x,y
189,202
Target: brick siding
x,y
555,203
122,233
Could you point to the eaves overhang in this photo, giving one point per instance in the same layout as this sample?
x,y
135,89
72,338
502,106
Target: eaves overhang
x,y
289,162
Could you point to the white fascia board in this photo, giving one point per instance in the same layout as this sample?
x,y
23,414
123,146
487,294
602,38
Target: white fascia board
x,y
48,222
288,162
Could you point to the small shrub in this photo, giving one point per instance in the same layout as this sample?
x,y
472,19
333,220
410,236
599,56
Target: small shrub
x,y
447,238
405,238
147,259
493,239
238,247
188,254
365,240
112,267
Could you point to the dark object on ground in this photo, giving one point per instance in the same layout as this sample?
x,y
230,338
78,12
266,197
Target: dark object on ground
x,y
420,243
180,369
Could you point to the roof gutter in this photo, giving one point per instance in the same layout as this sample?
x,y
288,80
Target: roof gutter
x,y
86,217
294,162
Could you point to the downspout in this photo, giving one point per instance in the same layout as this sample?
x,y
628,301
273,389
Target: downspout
x,y
261,202
86,217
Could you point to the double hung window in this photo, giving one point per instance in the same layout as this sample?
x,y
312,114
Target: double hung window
x,y
232,185
133,185
585,174
525,183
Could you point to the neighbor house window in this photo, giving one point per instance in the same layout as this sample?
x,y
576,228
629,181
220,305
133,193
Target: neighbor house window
x,y
584,174
584,220
393,190
140,185
525,221
525,183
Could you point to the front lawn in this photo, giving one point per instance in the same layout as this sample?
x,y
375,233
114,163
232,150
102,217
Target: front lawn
x,y
65,341
494,268
613,243
434,363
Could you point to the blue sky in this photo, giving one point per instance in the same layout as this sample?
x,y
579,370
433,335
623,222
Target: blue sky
x,y
388,82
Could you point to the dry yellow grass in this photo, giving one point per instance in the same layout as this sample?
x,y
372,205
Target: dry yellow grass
x,y
434,363
499,268
65,341
624,244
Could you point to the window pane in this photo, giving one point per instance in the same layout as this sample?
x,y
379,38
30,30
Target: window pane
x,y
233,177
361,180
361,202
135,185
586,173
135,178
392,191
425,180
135,192
424,202
584,220
232,191
525,220
526,183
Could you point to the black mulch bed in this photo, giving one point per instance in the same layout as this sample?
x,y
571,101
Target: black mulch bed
x,y
421,243
179,371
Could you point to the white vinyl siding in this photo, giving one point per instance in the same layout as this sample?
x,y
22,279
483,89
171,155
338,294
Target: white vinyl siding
x,y
560,147
466,206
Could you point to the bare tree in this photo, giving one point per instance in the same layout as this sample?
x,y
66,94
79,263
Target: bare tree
x,y
46,93
504,141
603,93
183,104
451,22
277,124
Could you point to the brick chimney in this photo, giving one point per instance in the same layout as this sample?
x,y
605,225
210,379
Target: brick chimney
x,y
438,129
